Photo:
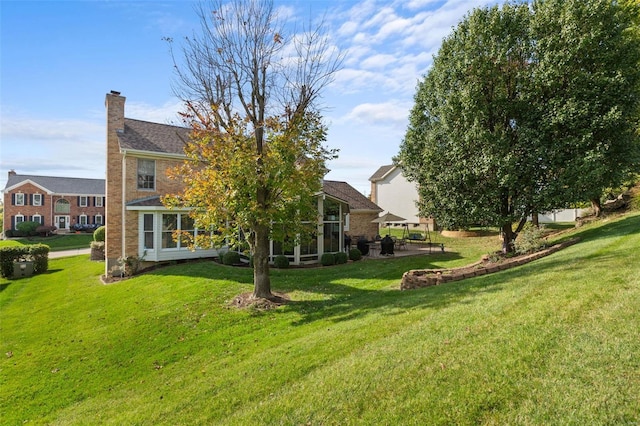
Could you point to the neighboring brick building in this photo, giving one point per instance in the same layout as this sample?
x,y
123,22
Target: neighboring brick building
x,y
140,153
54,201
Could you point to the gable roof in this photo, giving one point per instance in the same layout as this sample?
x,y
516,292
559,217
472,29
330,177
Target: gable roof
x,y
59,185
153,137
340,190
348,193
382,172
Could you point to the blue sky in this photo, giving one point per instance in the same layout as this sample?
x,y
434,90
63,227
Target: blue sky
x,y
58,59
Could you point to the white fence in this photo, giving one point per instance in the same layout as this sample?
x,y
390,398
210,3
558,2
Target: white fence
x,y
565,215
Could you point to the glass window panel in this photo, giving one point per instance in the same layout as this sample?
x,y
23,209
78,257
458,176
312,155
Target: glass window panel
x,y
331,237
148,231
63,206
169,224
331,210
146,174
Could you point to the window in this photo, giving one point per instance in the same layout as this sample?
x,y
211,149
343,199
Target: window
x,y
331,237
169,224
19,199
148,231
83,219
83,201
37,218
172,222
187,224
331,210
98,202
37,199
63,206
98,219
19,219
146,174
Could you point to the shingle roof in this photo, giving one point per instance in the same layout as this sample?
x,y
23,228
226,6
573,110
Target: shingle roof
x,y
348,193
153,137
153,201
381,172
61,185
340,190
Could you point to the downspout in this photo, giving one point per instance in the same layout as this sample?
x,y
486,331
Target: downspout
x,y
124,188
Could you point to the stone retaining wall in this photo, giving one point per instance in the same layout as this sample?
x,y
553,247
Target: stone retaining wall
x,y
419,278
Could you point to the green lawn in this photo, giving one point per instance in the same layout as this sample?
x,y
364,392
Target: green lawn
x,y
55,242
556,341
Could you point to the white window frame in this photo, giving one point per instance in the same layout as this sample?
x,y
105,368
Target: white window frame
x,y
83,219
39,218
99,202
98,219
21,196
84,201
18,218
37,199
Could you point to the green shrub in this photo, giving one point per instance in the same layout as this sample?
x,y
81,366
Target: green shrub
x,y
40,255
45,230
530,239
281,261
28,228
355,254
8,255
36,253
231,258
328,259
99,234
341,257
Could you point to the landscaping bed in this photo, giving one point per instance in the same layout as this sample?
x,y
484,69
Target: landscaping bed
x,y
429,277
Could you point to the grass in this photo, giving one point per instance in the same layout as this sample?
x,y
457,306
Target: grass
x,y
55,242
556,341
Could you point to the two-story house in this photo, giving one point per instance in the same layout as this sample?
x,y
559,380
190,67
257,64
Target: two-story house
x,y
140,153
54,201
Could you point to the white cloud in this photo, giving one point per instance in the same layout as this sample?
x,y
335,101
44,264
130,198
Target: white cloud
x,y
166,113
47,130
378,61
384,114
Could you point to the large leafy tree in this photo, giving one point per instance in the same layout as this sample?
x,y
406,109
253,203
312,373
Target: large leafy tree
x,y
525,109
465,144
587,62
256,156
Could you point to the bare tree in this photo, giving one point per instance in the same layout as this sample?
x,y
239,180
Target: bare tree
x,y
244,78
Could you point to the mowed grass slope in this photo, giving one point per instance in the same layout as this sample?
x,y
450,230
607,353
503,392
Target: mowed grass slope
x,y
556,341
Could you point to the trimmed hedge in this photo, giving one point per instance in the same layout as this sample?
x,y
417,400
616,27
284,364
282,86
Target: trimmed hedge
x,y
36,253
355,254
328,259
99,234
341,257
281,261
231,258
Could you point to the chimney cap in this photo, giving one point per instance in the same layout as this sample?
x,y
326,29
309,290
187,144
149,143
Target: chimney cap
x,y
113,92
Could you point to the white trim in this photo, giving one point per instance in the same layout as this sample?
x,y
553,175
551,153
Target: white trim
x,y
15,199
86,201
26,181
152,155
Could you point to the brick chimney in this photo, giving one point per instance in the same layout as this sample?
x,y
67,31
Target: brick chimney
x,y
114,104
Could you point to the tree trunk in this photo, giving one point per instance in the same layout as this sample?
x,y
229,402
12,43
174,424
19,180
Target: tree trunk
x,y
534,219
597,208
261,280
507,238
